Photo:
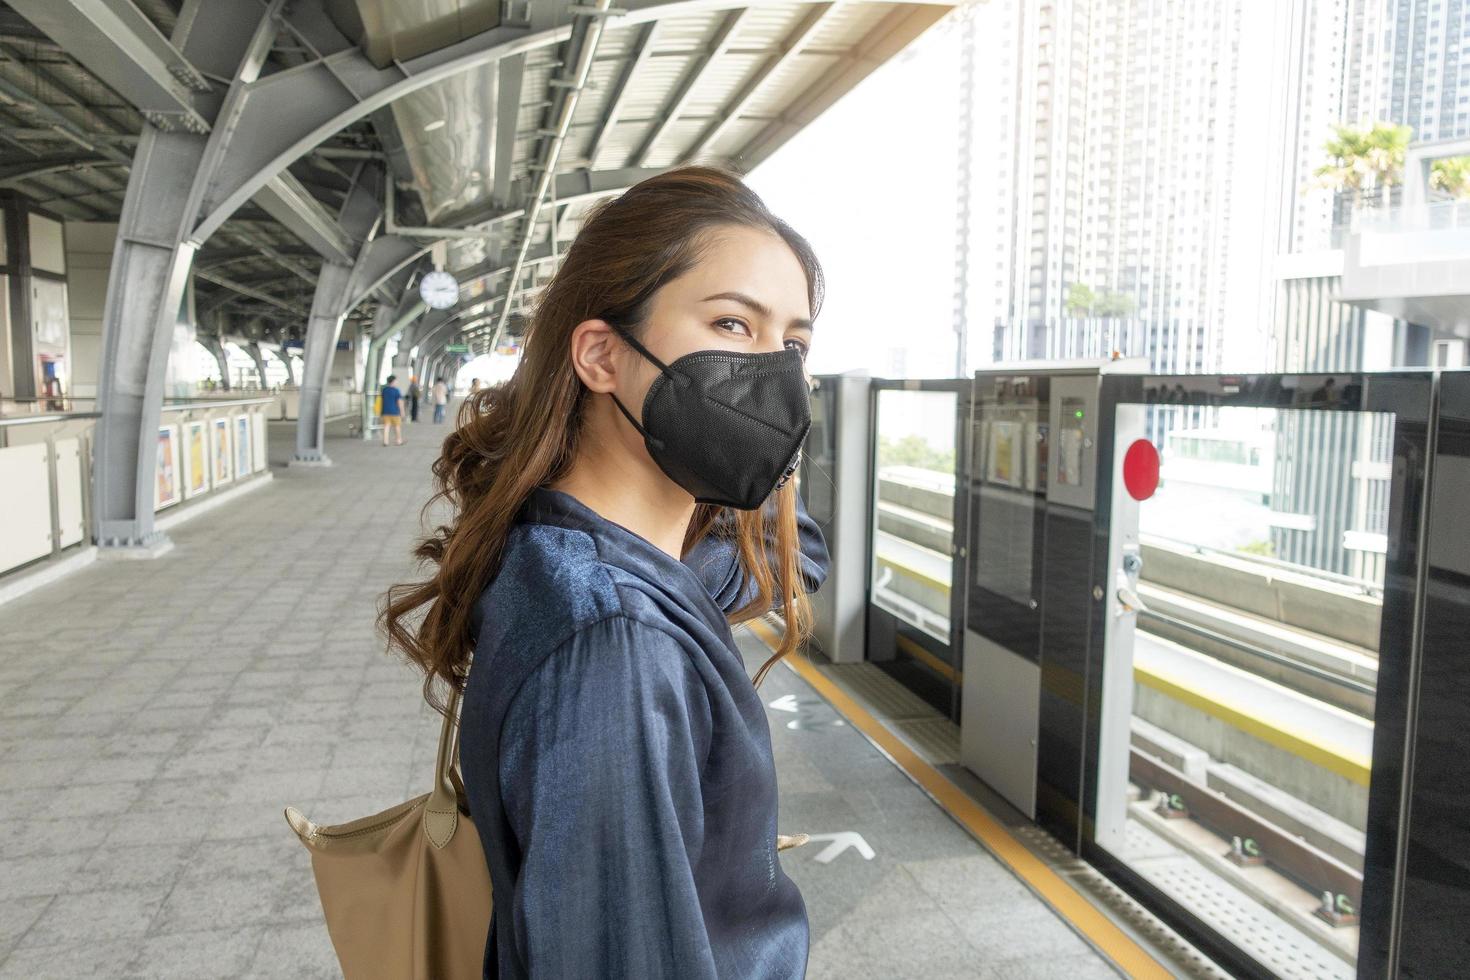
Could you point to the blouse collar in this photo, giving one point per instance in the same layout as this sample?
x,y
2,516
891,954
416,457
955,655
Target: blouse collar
x,y
557,507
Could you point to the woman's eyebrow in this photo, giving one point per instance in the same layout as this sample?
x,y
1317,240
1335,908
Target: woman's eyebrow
x,y
756,305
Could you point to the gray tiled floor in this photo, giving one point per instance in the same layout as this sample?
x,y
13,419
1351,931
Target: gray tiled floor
x,y
156,717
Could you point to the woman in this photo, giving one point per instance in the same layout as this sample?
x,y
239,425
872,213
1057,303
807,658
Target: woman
x,y
619,502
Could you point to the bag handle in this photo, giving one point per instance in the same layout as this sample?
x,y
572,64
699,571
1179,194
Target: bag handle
x,y
441,815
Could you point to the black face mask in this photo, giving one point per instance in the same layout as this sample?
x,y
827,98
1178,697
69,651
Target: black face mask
x,y
726,426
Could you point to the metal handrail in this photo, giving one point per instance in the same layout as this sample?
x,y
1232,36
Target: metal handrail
x,y
184,405
7,421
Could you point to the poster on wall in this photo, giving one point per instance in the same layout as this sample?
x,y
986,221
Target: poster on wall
x,y
196,458
1004,464
242,445
260,440
166,481
222,460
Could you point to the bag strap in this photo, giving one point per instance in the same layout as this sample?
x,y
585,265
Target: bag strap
x,y
443,807
454,773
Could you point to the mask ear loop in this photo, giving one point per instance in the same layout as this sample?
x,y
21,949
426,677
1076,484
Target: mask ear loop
x,y
653,440
664,369
674,376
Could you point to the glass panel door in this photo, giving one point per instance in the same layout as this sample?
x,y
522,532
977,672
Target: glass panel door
x,y
911,579
1243,609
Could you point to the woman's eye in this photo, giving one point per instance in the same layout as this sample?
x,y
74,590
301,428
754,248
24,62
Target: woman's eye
x,y
739,325
794,344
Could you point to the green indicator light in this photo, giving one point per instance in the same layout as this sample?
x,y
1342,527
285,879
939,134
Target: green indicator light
x,y
1079,413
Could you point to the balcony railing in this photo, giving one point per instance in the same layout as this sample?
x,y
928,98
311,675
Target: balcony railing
x,y
1438,216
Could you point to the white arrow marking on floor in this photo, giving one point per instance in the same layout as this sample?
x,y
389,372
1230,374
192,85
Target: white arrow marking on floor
x,y
786,702
800,725
841,842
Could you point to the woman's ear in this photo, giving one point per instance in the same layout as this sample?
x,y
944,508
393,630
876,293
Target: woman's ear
x,y
592,351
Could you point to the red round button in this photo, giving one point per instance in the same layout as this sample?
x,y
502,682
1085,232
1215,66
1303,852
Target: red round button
x,y
1141,469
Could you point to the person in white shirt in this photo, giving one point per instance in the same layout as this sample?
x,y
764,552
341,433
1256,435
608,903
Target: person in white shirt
x,y
439,397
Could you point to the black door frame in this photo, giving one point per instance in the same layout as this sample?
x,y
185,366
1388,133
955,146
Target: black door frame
x,y
1412,398
881,622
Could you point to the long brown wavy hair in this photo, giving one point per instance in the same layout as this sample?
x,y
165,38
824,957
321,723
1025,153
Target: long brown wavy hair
x,y
513,437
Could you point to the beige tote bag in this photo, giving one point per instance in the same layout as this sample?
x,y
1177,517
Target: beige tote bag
x,y
406,892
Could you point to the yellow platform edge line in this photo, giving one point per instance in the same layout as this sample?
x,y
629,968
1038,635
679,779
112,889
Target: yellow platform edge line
x,y
1352,767
1065,900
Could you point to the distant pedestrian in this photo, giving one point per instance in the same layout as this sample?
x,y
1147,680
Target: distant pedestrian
x,y
413,398
474,386
439,397
392,410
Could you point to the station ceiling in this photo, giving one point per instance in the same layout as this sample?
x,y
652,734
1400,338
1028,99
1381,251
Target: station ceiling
x,y
666,83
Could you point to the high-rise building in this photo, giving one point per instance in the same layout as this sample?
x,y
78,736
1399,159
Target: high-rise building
x,y
1104,179
1354,62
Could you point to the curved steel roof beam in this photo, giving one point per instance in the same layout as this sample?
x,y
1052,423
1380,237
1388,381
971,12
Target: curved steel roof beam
x,y
46,166
643,48
888,37
691,81
572,187
382,259
790,47
122,47
283,116
586,34
244,290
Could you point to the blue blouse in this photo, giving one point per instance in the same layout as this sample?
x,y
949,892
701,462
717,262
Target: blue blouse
x,y
617,759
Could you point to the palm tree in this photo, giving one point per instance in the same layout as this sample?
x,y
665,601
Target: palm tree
x,y
1451,175
1080,299
1079,303
1388,145
1371,157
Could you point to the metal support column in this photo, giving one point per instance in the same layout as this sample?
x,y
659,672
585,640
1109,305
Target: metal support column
x,y
258,357
145,287
284,356
327,313
215,344
388,324
150,271
17,242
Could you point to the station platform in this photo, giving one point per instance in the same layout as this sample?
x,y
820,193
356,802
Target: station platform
x,y
158,716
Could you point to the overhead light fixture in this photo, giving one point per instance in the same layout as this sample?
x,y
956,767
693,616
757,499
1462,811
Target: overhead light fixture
x,y
436,124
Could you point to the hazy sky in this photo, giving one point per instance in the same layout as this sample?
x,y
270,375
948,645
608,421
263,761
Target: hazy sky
x,y
880,214
871,184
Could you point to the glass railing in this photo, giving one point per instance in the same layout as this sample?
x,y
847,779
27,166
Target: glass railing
x,y
46,459
1435,216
